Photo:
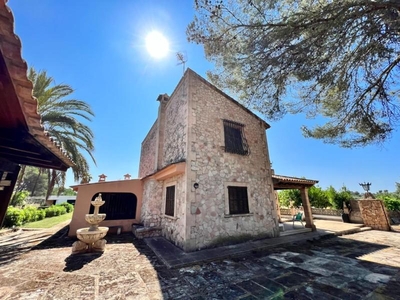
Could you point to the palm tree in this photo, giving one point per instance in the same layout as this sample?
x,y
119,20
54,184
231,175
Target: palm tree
x,y
60,118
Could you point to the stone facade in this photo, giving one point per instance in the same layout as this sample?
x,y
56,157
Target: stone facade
x,y
151,204
148,155
214,169
191,129
175,128
173,228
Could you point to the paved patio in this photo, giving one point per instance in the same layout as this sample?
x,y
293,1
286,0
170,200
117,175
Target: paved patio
x,y
364,265
174,257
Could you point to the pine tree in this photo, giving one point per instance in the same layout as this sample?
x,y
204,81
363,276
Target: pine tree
x,y
336,59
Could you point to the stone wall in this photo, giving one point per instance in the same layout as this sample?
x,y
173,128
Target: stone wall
x,y
175,127
149,152
355,213
152,202
153,207
213,170
173,228
374,214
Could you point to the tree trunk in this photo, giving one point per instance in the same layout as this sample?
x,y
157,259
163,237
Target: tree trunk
x,y
52,181
20,177
36,181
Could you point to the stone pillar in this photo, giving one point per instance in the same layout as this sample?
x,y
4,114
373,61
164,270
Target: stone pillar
x,y
278,208
307,209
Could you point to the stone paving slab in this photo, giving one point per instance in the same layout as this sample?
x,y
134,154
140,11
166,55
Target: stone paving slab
x,y
174,257
329,268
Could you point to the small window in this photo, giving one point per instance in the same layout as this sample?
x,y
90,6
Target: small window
x,y
170,201
238,201
234,138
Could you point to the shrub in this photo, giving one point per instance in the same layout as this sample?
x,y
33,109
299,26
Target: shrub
x,y
69,207
286,196
336,198
18,198
41,214
14,217
392,204
61,210
30,214
20,216
318,197
55,210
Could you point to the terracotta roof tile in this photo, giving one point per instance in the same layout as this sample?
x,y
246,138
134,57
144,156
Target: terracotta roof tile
x,y
289,179
10,47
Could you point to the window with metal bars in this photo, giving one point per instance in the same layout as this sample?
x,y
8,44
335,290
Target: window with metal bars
x,y
117,206
238,201
170,201
235,141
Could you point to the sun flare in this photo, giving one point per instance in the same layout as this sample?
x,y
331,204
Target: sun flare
x,y
157,45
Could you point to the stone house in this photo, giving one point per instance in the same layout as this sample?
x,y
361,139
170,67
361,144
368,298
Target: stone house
x,y
205,169
204,176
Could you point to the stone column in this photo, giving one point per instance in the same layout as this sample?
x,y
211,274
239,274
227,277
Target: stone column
x,y
307,209
278,207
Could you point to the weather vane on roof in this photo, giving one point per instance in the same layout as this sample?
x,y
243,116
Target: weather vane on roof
x,y
182,59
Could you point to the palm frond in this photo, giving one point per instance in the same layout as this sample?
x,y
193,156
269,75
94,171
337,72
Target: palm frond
x,y
61,118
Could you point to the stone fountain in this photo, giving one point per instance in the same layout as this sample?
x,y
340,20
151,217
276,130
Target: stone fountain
x,y
91,238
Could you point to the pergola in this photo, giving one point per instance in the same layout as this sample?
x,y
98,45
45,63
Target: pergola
x,y
288,183
22,137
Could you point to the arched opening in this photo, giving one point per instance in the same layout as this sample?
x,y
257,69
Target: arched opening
x,y
117,206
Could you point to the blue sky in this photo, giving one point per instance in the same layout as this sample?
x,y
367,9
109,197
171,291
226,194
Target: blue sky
x,y
98,47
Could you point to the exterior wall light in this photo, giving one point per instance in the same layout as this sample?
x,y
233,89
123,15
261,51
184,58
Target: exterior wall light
x,y
196,185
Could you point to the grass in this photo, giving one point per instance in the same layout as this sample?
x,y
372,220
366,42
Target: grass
x,y
48,222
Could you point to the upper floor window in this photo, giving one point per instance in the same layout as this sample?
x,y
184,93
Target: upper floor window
x,y
234,138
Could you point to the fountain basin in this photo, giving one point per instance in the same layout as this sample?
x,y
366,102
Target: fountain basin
x,y
89,237
94,219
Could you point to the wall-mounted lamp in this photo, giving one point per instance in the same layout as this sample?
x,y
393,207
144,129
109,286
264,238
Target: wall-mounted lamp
x,y
196,185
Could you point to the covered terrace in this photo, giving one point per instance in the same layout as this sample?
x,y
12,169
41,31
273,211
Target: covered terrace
x,y
288,183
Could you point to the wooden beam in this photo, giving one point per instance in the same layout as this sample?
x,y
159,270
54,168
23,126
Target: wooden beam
x,y
26,150
5,183
6,165
6,193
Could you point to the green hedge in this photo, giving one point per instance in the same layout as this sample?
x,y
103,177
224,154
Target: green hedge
x,y
68,206
392,204
55,210
19,216
14,217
